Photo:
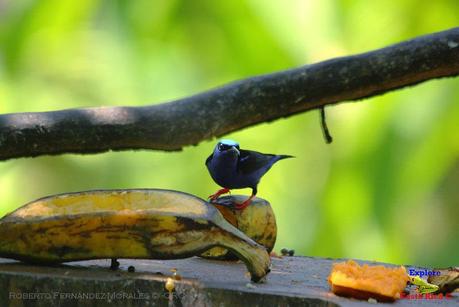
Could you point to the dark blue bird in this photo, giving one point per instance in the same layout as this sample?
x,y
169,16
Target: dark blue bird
x,y
235,168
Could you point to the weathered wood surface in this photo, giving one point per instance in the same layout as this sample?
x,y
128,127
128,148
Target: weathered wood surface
x,y
293,281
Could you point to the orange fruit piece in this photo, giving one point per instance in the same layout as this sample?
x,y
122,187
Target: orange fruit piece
x,y
367,281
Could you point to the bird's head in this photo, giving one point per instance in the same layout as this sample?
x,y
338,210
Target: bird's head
x,y
228,148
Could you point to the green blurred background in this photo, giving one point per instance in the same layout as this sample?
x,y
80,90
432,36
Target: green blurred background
x,y
386,189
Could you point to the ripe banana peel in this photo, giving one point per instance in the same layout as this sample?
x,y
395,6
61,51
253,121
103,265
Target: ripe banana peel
x,y
136,224
257,221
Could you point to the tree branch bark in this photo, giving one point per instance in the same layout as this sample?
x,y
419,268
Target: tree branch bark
x,y
188,121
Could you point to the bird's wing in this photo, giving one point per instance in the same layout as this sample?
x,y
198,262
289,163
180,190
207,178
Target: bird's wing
x,y
209,158
250,161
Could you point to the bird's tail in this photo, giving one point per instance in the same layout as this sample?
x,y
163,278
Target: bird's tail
x,y
280,157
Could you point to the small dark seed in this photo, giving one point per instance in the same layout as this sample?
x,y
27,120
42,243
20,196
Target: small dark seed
x,y
131,269
114,265
287,252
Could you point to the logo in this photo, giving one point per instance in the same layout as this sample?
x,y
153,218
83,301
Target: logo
x,y
421,273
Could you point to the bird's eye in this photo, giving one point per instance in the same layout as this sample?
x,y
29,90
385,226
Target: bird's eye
x,y
221,147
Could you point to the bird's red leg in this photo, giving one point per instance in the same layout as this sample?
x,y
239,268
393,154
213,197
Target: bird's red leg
x,y
244,204
218,193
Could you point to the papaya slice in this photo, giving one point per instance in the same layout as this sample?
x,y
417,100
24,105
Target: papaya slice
x,y
365,281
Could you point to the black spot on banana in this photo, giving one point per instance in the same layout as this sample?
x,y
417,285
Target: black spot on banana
x,y
135,224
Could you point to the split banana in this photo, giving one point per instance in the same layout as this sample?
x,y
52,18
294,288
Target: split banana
x,y
144,223
257,221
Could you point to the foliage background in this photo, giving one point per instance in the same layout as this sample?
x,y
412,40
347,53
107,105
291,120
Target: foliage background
x,y
386,189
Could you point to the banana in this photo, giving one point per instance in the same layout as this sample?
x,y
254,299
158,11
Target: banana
x,y
257,221
136,224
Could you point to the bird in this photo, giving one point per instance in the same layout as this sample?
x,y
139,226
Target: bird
x,y
234,168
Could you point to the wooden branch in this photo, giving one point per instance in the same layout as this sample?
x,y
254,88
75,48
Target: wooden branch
x,y
188,121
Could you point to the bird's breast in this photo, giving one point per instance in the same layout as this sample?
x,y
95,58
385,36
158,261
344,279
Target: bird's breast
x,y
224,173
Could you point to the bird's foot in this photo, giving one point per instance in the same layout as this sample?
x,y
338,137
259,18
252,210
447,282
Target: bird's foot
x,y
245,204
213,197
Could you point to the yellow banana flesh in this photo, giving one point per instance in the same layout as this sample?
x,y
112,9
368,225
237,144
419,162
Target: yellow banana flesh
x,y
144,223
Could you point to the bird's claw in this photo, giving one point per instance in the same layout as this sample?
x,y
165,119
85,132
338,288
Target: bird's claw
x,y
214,197
245,204
242,206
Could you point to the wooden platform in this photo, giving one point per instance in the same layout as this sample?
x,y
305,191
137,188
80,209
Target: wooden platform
x,y
293,281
